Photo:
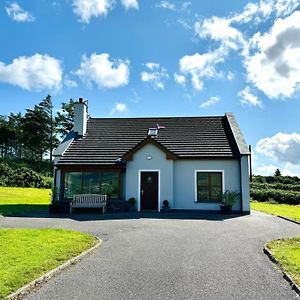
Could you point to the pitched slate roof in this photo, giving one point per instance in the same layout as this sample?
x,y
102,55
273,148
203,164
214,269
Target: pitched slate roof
x,y
108,139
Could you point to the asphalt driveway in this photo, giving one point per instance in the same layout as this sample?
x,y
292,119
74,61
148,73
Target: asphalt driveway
x,y
175,258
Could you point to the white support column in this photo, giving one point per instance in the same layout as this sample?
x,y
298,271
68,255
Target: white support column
x,y
245,184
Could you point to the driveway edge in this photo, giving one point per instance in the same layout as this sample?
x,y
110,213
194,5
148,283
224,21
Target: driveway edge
x,y
286,276
288,219
26,289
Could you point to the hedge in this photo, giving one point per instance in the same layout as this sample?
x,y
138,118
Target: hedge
x,y
22,177
276,195
275,186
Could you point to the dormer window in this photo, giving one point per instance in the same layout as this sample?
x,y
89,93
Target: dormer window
x,y
152,132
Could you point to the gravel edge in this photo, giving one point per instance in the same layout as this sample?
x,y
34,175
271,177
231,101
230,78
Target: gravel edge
x,y
286,276
26,289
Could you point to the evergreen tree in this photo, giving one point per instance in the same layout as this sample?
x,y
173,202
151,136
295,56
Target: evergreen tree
x,y
65,118
277,173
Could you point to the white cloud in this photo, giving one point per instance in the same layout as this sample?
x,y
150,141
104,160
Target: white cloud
x,y
130,4
281,147
285,7
18,14
230,76
266,170
166,4
220,29
35,72
210,102
70,83
103,72
180,79
200,66
119,108
184,6
248,98
87,9
275,66
156,75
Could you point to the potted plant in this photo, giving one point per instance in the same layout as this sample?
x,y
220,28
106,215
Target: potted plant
x,y
228,200
131,203
166,206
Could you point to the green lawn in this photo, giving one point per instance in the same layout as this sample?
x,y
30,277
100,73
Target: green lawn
x,y
287,252
15,200
26,254
284,210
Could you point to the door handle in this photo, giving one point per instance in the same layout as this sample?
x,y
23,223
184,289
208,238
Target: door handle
x,y
142,192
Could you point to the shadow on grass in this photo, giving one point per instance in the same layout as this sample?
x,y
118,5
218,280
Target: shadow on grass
x,y
22,209
41,211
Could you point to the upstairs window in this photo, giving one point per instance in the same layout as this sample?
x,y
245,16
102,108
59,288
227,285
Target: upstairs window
x,y
209,187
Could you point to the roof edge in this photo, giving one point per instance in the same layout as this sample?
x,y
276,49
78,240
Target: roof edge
x,y
237,134
64,145
148,140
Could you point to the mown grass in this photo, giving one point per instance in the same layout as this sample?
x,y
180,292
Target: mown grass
x,y
14,200
285,210
26,254
287,252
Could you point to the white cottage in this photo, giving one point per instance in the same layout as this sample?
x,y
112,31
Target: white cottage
x,y
189,161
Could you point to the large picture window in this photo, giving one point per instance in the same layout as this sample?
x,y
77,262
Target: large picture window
x,y
209,186
106,183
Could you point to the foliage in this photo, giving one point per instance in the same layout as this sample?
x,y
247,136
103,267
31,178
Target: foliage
x,y
49,248
277,173
285,210
279,196
14,200
276,186
230,197
35,134
287,252
165,203
131,201
22,177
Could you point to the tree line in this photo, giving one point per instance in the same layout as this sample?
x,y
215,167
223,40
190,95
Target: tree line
x,y
34,134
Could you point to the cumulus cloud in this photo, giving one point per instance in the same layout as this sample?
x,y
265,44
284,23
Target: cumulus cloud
x,y
155,74
282,147
220,29
18,14
248,98
35,72
87,9
274,68
130,4
119,108
285,7
210,102
103,72
200,67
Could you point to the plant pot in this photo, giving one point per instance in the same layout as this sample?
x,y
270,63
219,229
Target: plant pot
x,y
165,209
226,209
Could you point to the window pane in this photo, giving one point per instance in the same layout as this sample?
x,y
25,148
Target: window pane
x,y
72,184
203,194
209,186
202,179
91,183
216,194
216,179
110,184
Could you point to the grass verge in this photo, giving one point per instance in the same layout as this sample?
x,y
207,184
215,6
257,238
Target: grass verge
x,y
26,254
287,252
14,200
285,210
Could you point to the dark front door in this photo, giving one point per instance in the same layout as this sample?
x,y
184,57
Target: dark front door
x,y
149,190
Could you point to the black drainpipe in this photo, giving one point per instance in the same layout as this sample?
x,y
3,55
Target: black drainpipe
x,y
241,186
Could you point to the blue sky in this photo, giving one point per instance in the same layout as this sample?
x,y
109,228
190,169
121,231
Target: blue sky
x,y
162,58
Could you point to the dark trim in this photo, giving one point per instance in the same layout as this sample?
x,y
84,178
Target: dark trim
x,y
209,186
74,169
241,184
86,168
129,155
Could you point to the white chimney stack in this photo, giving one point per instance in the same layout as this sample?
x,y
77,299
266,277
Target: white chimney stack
x,y
80,117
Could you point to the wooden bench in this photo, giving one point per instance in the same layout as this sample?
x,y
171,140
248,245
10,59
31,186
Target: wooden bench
x,y
89,201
